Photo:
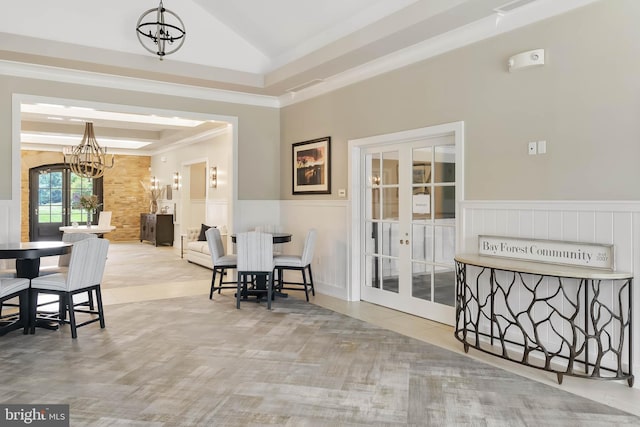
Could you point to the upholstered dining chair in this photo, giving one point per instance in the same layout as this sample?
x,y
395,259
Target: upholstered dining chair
x,y
63,260
255,258
299,263
86,269
9,289
221,261
104,220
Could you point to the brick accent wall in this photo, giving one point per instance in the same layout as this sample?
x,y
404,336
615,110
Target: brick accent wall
x,y
123,193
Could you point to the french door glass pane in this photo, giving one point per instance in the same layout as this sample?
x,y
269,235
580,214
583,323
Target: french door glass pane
x,y
422,165
445,202
421,281
445,244
389,239
445,164
390,203
422,242
421,203
389,274
390,170
443,291
79,186
50,197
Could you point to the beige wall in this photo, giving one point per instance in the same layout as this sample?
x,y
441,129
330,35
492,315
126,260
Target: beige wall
x,y
585,102
123,194
258,128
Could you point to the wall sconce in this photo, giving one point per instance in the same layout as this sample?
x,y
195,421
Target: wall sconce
x,y
213,177
375,180
177,181
155,183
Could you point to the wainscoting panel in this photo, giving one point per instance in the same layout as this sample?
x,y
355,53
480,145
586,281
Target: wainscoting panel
x,y
331,258
616,223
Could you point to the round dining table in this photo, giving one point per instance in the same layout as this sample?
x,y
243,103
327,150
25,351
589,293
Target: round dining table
x,y
28,254
277,237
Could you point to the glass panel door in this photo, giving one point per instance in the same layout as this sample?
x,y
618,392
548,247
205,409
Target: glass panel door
x,y
54,196
409,227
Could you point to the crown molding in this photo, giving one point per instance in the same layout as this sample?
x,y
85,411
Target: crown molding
x,y
488,27
64,75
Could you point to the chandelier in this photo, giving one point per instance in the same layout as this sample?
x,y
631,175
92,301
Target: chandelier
x,y
87,159
165,27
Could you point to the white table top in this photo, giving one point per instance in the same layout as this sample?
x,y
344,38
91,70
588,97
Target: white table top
x,y
541,268
84,229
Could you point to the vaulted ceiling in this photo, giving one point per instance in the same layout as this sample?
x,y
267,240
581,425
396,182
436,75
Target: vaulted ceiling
x,y
261,47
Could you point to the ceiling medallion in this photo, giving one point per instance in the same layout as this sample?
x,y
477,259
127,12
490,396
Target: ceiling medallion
x,y
87,159
161,27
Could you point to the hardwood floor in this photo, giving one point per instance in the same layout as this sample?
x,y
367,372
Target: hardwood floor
x,y
170,356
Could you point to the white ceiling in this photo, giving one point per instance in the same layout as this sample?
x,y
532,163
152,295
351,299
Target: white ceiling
x,y
252,46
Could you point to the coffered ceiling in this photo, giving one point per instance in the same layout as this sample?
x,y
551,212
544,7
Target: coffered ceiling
x,y
268,48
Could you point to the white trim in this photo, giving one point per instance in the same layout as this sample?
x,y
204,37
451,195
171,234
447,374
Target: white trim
x,y
193,139
63,75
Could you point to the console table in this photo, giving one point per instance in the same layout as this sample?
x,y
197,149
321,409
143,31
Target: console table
x,y
567,320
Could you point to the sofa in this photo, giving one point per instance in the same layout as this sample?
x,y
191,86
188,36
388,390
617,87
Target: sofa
x,y
197,251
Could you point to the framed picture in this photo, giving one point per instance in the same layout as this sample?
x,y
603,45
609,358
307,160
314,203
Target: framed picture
x,y
311,161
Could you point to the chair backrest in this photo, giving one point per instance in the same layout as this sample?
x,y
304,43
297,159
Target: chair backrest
x,y
255,251
309,246
88,259
104,220
63,260
214,240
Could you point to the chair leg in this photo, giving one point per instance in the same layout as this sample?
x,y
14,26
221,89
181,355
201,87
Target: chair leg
x,y
313,291
91,306
241,282
100,308
304,283
222,273
33,310
213,284
25,311
72,315
269,290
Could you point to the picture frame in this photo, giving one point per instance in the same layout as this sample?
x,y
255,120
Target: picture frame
x,y
311,166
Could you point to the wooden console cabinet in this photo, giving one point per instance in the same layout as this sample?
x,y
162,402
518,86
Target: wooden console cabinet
x,y
156,228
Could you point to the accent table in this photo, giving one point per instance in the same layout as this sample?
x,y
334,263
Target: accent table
x,y
567,320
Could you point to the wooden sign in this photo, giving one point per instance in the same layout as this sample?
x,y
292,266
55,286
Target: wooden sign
x,y
590,255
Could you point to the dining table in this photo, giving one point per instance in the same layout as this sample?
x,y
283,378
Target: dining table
x,y
28,254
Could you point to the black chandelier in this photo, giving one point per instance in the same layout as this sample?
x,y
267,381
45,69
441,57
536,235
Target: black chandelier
x,y
161,26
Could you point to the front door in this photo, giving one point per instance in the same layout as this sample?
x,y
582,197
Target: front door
x,y
409,227
54,194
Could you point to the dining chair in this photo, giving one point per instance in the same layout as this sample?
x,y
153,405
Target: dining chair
x,y
63,260
221,261
10,289
298,263
104,220
255,258
86,269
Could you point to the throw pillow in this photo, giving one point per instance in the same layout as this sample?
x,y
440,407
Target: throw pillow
x,y
203,229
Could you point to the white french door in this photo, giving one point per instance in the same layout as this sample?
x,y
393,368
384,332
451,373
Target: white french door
x,y
408,226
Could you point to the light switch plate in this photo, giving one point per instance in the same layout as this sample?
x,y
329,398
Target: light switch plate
x,y
342,192
533,149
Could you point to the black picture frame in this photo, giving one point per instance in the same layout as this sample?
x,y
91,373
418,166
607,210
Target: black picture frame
x,y
311,166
